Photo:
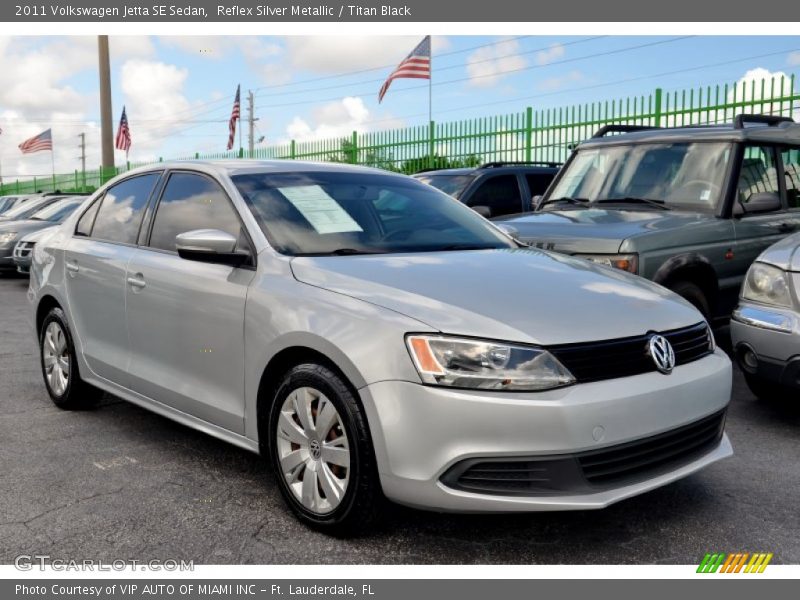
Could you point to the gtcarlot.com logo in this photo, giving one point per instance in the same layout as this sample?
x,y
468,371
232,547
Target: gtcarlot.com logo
x,y
739,562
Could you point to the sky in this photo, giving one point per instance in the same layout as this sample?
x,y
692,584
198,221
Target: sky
x,y
179,90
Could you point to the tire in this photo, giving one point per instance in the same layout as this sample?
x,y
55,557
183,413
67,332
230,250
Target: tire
x,y
301,455
59,366
691,292
767,391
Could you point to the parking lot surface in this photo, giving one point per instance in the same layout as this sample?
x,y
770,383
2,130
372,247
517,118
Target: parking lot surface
x,y
118,482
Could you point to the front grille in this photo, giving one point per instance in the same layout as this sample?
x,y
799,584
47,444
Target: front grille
x,y
623,357
23,249
586,472
642,457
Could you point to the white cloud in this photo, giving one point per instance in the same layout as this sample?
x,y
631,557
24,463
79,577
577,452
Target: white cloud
x,y
488,65
552,54
337,120
561,81
793,59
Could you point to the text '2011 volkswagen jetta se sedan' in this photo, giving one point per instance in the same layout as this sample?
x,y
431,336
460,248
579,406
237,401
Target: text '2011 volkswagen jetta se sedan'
x,y
372,337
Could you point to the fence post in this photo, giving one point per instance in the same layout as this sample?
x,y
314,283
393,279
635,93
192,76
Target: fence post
x,y
657,111
354,149
292,150
431,145
528,134
197,156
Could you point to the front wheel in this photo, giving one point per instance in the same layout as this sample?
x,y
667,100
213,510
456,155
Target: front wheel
x,y
60,367
321,452
767,391
691,292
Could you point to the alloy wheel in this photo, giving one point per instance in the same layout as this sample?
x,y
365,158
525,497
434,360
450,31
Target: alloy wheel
x,y
55,354
313,450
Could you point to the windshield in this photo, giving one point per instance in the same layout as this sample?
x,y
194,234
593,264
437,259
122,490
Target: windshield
x,y
453,185
25,209
682,176
58,211
347,213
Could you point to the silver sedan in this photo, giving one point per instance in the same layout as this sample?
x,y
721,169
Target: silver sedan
x,y
372,337
766,325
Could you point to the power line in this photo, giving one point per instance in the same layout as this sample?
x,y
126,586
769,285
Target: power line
x,y
495,74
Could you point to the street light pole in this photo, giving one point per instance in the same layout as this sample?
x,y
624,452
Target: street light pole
x,y
106,133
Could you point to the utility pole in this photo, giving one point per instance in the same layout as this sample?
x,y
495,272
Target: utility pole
x,y
82,146
106,133
251,121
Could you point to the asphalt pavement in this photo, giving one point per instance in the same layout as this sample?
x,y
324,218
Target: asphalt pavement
x,y
118,482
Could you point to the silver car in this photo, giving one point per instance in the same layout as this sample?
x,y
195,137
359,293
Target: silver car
x,y
765,328
373,338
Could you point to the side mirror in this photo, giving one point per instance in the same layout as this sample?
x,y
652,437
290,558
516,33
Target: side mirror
x,y
536,201
761,202
510,231
483,211
211,246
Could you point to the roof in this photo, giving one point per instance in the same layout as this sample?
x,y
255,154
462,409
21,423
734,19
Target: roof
x,y
238,166
492,168
784,132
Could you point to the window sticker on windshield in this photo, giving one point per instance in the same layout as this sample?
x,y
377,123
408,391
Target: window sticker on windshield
x,y
705,194
319,209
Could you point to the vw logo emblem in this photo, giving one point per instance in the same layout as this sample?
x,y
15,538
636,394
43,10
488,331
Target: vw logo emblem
x,y
660,350
315,449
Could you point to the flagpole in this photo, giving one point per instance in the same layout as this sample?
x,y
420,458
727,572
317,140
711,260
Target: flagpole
x,y
53,164
430,102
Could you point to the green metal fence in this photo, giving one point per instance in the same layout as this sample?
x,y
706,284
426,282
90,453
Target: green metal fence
x,y
531,135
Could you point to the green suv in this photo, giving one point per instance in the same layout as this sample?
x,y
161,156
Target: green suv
x,y
689,207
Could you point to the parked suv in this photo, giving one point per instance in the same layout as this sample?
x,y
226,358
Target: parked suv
x,y
496,188
370,336
689,207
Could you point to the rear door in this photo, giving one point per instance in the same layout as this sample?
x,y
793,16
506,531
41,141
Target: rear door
x,y
186,318
500,193
96,259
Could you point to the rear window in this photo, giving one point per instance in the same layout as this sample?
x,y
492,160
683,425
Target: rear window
x,y
452,185
122,209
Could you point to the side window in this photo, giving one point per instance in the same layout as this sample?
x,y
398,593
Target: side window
x,y
191,202
85,223
537,183
759,173
501,194
122,208
791,170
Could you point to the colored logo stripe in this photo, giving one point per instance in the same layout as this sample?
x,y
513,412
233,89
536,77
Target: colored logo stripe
x,y
735,563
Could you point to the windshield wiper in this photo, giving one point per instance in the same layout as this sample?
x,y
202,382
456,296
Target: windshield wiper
x,y
340,252
633,199
570,199
465,247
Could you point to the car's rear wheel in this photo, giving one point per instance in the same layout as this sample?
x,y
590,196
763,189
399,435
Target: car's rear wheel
x,y
321,451
60,367
691,292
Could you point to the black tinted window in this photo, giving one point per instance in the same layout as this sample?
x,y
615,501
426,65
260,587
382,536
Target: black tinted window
x,y
84,226
500,194
121,210
538,182
192,202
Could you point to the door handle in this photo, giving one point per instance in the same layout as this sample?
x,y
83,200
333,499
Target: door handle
x,y
72,267
136,281
786,227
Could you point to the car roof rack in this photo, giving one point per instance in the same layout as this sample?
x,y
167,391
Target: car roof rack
x,y
620,128
768,120
508,163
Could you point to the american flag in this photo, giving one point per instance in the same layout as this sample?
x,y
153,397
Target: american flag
x,y
235,113
123,141
43,141
416,65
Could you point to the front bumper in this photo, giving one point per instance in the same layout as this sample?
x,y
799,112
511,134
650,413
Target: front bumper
x,y
21,256
420,432
767,343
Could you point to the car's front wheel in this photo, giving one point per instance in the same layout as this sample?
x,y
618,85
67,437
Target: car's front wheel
x,y
767,391
321,452
60,367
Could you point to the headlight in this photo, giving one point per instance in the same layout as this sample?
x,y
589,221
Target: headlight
x,y
768,285
479,364
624,262
8,237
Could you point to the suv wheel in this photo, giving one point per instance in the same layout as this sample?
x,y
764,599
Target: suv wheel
x,y
691,292
59,366
766,391
321,453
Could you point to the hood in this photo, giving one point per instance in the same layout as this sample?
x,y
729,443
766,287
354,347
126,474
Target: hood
x,y
784,254
25,226
594,230
520,295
